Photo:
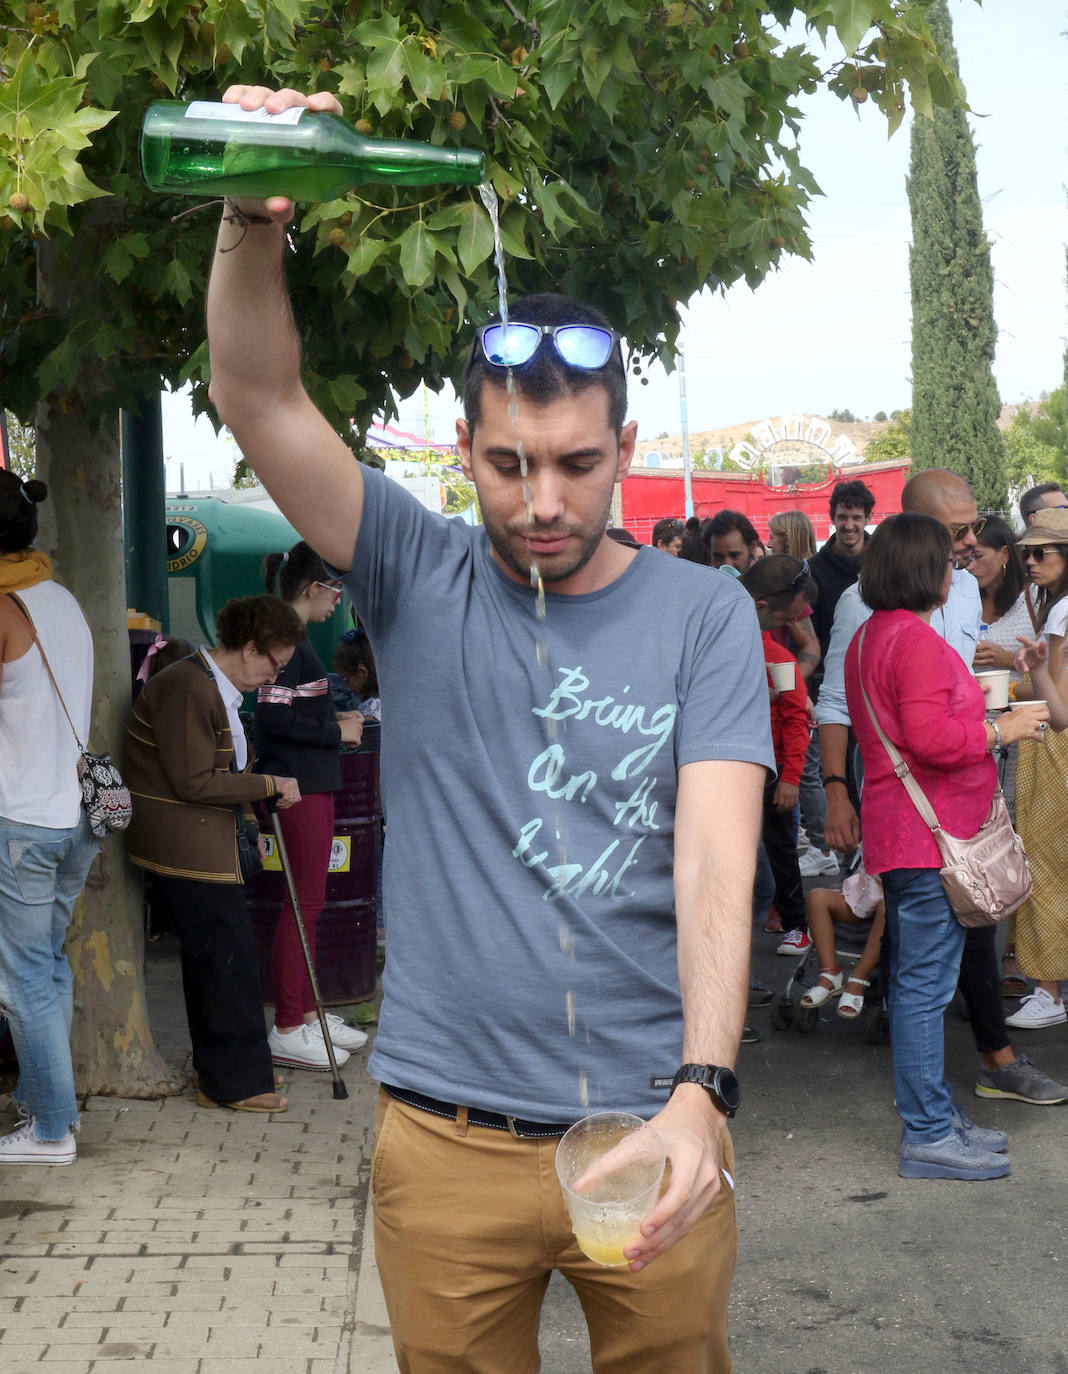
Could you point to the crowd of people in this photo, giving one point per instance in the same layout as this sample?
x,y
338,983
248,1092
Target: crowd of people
x,y
581,848
194,776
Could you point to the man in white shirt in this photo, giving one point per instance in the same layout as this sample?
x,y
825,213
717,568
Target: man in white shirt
x,y
948,498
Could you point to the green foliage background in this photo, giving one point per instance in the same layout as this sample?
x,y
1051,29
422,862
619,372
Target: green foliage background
x,y
640,152
955,402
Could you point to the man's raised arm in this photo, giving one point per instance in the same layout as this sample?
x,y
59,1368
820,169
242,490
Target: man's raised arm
x,y
255,366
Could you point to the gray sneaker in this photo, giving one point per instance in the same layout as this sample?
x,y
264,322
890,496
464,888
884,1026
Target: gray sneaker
x,y
1023,1081
979,1137
950,1157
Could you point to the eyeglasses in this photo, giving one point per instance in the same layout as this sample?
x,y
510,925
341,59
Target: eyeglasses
x,y
585,346
272,661
1039,551
976,526
330,587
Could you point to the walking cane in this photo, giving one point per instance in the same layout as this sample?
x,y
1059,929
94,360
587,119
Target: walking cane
x,y
340,1090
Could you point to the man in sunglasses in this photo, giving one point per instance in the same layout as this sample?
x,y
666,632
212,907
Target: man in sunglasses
x,y
948,498
1046,496
571,846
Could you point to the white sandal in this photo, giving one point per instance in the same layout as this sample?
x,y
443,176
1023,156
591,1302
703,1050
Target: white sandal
x,y
851,1004
816,996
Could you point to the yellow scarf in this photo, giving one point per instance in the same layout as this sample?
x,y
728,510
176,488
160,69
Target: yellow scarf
x,y
25,569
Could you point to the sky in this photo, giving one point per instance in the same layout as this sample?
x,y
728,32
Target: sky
x,y
834,333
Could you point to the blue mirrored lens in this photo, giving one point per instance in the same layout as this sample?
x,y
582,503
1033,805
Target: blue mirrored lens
x,y
511,344
583,345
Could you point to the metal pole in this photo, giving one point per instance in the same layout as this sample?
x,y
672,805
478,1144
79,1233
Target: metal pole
x,y
144,518
687,471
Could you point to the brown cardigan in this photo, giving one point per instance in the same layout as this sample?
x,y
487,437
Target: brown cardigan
x,y
177,765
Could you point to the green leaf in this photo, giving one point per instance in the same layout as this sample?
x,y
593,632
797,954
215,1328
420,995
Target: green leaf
x,y
475,241
417,249
852,19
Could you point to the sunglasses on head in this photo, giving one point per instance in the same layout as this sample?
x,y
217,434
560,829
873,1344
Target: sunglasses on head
x,y
798,582
585,346
976,526
1039,551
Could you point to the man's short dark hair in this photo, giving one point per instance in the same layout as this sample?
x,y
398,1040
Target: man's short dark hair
x,y
853,493
725,522
1030,500
905,563
546,377
779,580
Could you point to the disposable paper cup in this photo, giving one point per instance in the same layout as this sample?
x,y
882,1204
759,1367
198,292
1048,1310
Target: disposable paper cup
x,y
1015,705
782,676
995,685
610,1167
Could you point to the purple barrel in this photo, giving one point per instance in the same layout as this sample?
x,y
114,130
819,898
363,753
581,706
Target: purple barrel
x,y
346,932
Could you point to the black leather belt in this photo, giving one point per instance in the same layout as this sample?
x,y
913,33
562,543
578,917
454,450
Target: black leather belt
x,y
514,1125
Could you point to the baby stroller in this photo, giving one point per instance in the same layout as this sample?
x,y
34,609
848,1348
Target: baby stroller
x,y
850,939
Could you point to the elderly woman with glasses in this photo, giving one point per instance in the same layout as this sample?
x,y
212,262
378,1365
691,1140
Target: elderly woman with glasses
x,y
189,770
298,731
1041,936
903,680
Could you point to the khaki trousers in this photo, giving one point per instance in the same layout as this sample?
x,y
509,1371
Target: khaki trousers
x,y
470,1222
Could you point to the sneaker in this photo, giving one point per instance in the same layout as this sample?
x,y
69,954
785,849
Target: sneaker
x,y
950,1157
344,1036
303,1048
979,1137
1038,1009
749,1035
1021,1080
796,942
21,1146
759,996
816,863
803,841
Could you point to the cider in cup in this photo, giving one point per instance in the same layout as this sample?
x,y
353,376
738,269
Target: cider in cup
x,y
610,1166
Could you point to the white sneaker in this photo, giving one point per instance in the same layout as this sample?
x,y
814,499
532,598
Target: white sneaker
x,y
303,1048
814,863
802,839
1038,1009
343,1036
21,1146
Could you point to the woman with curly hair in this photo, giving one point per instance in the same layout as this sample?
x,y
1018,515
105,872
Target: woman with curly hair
x,y
189,769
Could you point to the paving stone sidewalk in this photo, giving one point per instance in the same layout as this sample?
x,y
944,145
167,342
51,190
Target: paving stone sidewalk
x,y
205,1241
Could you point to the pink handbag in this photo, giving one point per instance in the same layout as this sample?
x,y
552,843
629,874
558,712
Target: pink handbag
x,y
986,877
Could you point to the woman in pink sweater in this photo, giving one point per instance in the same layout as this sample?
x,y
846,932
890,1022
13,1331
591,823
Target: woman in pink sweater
x,y
933,710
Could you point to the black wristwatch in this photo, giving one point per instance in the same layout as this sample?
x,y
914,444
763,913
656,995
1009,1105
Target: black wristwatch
x,y
721,1085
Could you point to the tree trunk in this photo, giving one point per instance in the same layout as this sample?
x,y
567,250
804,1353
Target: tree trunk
x,y
82,532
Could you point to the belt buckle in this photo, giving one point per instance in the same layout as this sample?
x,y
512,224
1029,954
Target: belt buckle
x,y
511,1128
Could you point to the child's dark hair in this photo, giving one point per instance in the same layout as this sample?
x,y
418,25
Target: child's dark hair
x,y
354,651
287,574
18,510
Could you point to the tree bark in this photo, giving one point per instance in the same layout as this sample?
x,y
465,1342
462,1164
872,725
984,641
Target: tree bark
x,y
112,1044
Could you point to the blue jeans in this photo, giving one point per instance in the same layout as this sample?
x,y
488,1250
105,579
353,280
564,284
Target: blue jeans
x,y
42,872
813,797
926,941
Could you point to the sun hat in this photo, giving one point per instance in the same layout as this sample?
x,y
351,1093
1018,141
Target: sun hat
x,y
1050,527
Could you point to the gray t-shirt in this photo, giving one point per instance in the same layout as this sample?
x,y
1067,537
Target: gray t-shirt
x,y
529,778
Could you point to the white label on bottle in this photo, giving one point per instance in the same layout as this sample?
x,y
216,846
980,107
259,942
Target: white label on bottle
x,y
211,109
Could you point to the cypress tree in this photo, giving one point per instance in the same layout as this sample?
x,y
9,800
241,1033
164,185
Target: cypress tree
x,y
955,402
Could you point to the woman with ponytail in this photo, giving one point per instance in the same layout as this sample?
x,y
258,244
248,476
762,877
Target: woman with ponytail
x,y
297,731
46,845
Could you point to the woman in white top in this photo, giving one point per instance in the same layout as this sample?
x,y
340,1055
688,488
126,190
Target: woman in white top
x,y
46,845
1042,772
1009,596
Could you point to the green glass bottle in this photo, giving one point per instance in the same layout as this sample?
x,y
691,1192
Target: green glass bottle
x,y
214,149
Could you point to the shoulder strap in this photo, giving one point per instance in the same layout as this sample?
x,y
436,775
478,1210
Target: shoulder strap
x,y
48,667
901,768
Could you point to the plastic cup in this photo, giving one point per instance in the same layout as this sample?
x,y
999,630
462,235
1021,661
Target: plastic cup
x,y
1016,705
995,685
782,676
610,1166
